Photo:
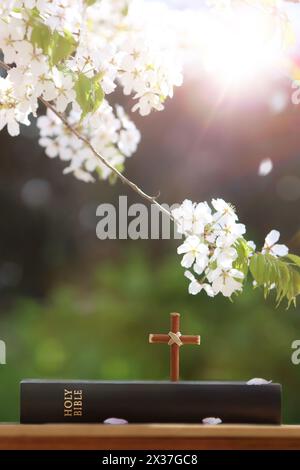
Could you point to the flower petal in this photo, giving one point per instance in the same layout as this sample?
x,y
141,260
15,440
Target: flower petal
x,y
211,421
193,241
189,276
115,421
187,260
258,382
199,267
251,245
272,237
13,128
184,248
280,250
208,289
195,288
237,274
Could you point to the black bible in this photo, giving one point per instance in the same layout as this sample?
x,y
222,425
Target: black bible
x,y
59,401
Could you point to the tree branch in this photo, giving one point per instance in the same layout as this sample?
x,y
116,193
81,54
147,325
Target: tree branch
x,y
131,184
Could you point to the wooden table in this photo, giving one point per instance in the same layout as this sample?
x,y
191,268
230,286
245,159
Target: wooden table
x,y
150,436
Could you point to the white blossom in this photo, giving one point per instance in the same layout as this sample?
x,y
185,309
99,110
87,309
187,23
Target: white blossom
x,y
214,247
128,141
226,281
224,212
229,232
11,34
103,130
184,216
82,175
209,247
194,251
49,124
125,44
271,247
195,286
192,218
224,256
147,100
10,113
64,86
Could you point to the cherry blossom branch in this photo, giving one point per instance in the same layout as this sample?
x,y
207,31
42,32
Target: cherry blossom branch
x,y
128,182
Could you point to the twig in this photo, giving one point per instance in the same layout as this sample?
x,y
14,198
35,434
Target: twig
x,y
131,184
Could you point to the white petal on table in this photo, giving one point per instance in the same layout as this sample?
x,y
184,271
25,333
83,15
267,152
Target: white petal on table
x,y
211,421
115,421
258,382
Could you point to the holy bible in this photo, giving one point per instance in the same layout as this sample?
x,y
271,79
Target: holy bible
x,y
59,401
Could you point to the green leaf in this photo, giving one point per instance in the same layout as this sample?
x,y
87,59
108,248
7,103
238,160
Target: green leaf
x,y
41,37
267,270
89,94
243,251
125,10
62,46
294,258
57,46
89,2
257,267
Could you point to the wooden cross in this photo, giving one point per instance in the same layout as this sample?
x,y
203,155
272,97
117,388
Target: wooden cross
x,y
175,340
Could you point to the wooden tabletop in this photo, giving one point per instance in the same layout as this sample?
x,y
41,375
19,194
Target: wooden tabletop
x,y
148,436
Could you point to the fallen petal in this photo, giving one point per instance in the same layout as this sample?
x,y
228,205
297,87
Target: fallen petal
x,y
265,167
211,421
259,382
115,421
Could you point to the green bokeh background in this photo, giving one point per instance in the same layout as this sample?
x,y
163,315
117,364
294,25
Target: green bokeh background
x,y
100,331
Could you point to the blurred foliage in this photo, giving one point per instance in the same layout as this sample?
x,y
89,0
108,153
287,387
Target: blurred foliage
x,y
99,330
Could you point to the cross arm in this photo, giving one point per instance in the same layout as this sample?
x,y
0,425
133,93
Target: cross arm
x,y
190,339
185,339
158,338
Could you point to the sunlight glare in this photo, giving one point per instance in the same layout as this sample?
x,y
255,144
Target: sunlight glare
x,y
243,46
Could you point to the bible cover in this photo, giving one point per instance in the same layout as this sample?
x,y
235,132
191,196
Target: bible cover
x,y
59,401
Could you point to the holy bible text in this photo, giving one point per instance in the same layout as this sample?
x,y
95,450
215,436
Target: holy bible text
x,y
72,402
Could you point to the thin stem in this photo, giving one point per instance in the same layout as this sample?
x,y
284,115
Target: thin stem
x,y
131,184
